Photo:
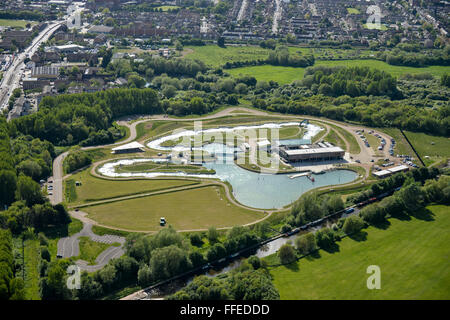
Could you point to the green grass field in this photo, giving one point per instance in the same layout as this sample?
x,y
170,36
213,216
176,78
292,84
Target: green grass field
x,y
401,145
282,75
413,256
436,148
216,56
14,23
333,138
394,70
352,11
190,209
350,138
93,188
167,8
89,250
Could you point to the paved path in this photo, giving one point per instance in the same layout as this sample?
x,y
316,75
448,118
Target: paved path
x,y
70,247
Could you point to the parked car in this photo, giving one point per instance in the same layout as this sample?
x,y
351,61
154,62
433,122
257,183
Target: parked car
x,y
162,221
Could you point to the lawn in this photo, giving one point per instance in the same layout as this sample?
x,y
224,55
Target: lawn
x,y
401,145
282,75
435,147
14,23
350,138
167,8
412,255
334,139
374,143
90,250
352,11
216,56
93,188
394,70
190,209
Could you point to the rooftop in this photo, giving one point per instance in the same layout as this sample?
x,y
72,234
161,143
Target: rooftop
x,y
313,150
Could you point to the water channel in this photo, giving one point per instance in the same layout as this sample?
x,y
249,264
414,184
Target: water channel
x,y
256,190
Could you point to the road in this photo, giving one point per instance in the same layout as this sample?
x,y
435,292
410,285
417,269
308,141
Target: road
x,y
12,76
276,16
69,247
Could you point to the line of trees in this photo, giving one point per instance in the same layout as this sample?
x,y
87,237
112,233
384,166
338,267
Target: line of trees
x,y
85,118
23,15
22,204
76,159
352,81
413,58
11,287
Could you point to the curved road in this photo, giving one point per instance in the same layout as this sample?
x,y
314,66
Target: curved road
x,y
69,247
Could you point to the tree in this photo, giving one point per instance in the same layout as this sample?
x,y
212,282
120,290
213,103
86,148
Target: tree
x,y
353,224
8,184
373,214
196,239
18,292
412,197
135,81
213,234
221,42
325,238
306,243
169,91
286,253
144,275
45,254
196,258
169,261
445,80
28,190
255,262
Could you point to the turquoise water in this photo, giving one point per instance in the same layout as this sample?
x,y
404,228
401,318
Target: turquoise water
x,y
256,190
267,191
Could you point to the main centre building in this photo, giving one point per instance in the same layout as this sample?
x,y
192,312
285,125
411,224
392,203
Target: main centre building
x,y
319,152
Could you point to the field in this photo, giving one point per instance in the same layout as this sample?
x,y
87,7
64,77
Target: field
x,y
190,209
14,23
333,138
352,11
401,145
93,188
167,8
90,250
350,138
412,255
282,75
394,70
437,148
216,56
